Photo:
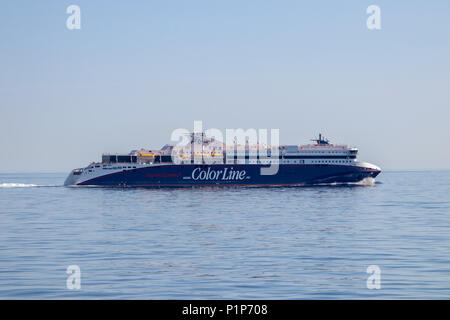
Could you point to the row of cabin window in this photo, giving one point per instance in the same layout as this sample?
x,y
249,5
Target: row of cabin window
x,y
308,151
119,168
330,161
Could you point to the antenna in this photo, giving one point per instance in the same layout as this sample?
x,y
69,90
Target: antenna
x,y
321,140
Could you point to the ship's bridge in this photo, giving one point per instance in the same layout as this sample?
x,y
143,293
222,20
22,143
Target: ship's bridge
x,y
323,145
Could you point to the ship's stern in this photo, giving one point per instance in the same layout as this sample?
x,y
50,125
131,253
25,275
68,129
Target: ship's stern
x,y
73,177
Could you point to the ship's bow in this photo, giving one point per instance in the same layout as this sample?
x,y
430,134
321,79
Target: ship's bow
x,y
371,169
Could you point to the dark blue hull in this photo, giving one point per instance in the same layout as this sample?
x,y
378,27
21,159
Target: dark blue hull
x,y
231,175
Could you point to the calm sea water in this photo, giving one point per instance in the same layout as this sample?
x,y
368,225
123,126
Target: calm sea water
x,y
226,243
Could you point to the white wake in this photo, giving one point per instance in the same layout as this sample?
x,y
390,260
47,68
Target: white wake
x,y
17,185
26,185
366,182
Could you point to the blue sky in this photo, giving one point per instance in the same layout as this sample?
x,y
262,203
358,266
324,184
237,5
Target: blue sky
x,y
139,69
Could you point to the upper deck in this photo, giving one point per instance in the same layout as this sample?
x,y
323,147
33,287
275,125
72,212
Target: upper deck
x,y
207,150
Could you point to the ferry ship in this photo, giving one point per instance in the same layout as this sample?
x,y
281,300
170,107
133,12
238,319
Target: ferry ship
x,y
208,162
